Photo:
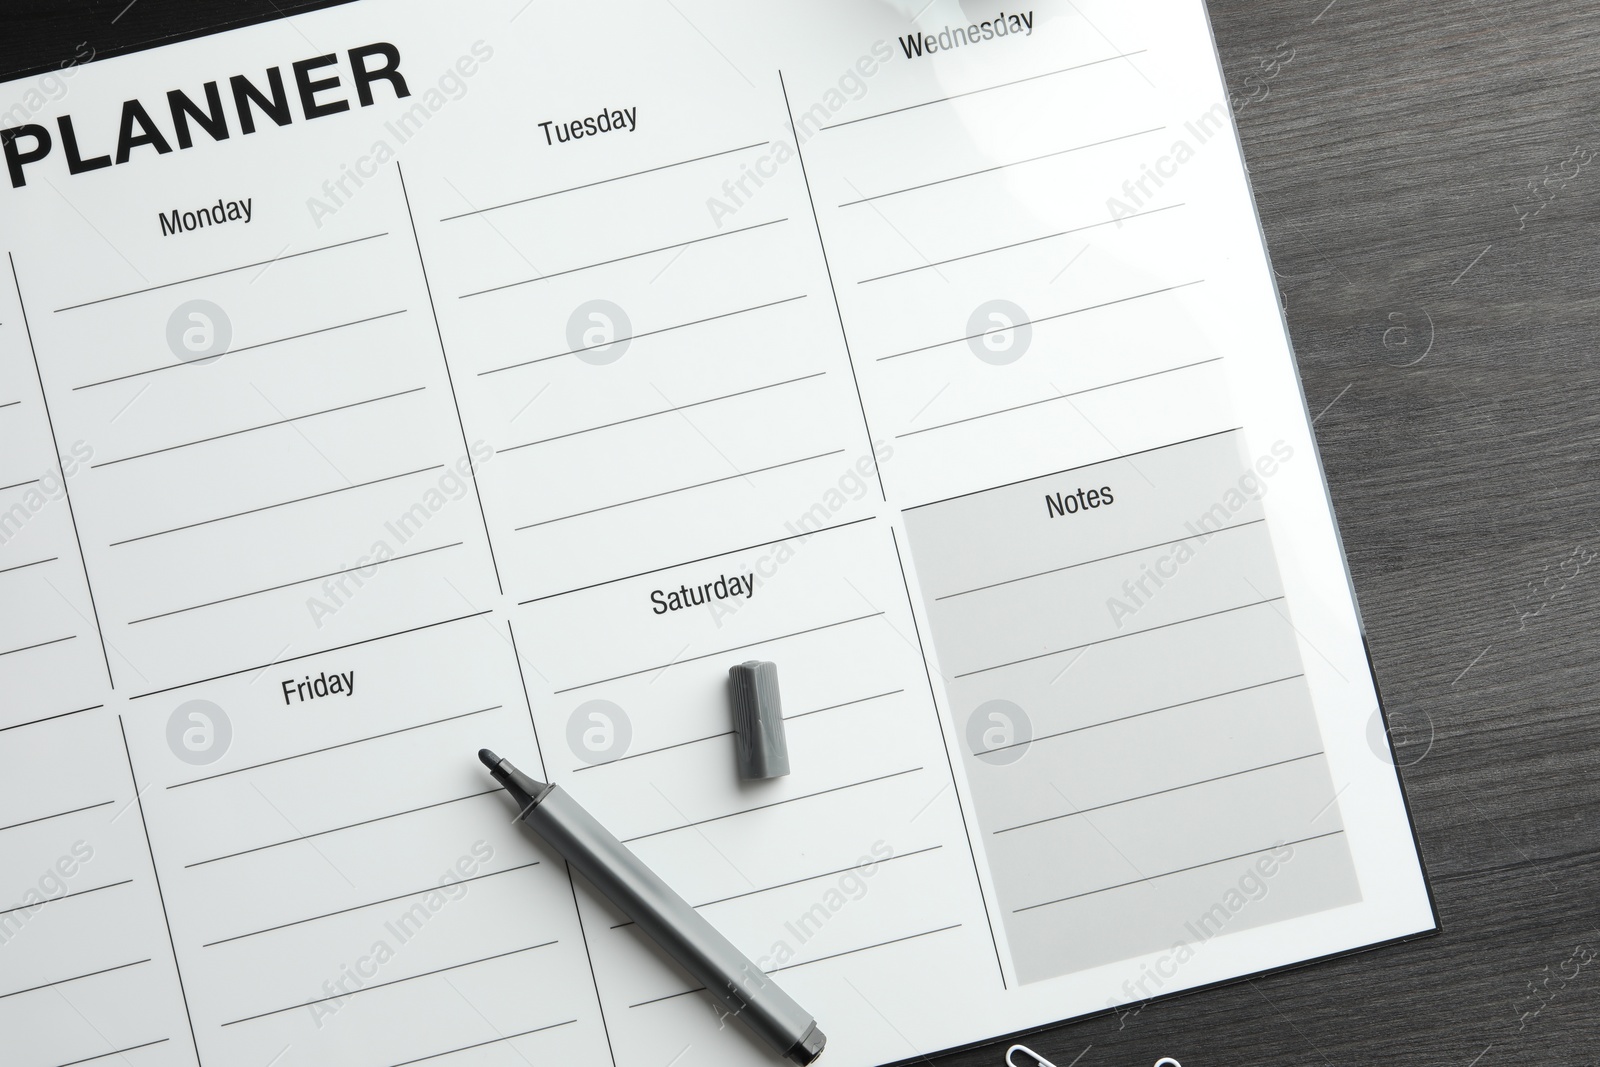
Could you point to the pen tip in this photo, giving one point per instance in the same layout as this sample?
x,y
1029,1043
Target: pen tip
x,y
489,759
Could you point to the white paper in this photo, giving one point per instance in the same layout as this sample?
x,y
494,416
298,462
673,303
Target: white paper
x,y
953,383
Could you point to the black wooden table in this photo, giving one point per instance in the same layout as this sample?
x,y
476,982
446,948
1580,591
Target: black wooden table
x,y
1440,271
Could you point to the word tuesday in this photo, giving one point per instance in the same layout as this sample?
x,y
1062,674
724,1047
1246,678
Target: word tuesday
x,y
623,119
687,596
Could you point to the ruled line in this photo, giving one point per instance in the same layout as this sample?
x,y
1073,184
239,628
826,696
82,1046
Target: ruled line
x,y
57,815
663,411
481,1044
450,378
654,751
527,702
1119,637
1141,714
308,655
720,652
113,1052
770,804
833,292
1018,244
1158,792
74,978
801,881
868,948
986,89
1099,559
949,758
10,404
219,273
1041,318
24,566
279,504
161,895
619,259
728,733
297,581
702,559
681,489
237,350
49,718
330,748
394,981
1006,166
583,935
1079,467
1058,396
431,888
1180,870
40,644
66,488
346,826
604,181
261,426
19,485
807,963
65,896
643,333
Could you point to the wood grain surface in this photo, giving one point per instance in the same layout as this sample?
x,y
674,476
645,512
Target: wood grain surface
x,y
1439,266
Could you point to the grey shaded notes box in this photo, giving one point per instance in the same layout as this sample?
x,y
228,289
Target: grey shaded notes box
x,y
1144,758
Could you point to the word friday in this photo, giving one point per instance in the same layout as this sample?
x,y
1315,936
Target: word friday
x,y
323,685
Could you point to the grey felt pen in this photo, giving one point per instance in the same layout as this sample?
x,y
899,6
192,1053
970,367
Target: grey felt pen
x,y
726,972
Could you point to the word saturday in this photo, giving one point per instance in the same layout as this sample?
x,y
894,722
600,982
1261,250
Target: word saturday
x,y
687,596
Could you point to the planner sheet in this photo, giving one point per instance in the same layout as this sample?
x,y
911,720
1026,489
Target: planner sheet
x,y
394,380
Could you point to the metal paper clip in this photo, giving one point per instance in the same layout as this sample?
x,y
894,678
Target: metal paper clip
x,y
1035,1059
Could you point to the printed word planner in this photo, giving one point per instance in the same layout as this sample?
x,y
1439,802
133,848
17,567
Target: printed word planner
x,y
395,380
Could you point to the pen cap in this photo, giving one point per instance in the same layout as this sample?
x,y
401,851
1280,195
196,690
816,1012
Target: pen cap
x,y
758,720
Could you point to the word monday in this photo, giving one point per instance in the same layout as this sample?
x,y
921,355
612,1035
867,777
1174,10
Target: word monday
x,y
317,91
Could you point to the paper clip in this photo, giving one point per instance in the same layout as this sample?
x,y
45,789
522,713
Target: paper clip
x,y
1040,1061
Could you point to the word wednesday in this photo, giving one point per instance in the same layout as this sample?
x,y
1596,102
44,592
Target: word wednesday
x,y
687,596
1002,25
176,221
31,142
